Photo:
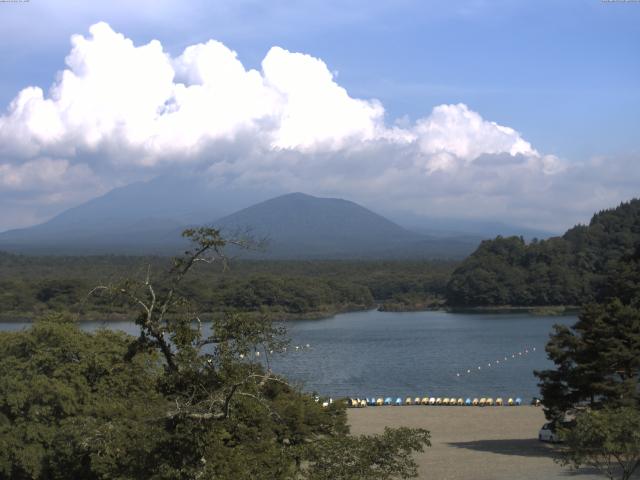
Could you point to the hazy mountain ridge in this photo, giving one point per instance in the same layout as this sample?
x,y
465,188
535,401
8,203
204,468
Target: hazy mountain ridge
x,y
299,225
148,217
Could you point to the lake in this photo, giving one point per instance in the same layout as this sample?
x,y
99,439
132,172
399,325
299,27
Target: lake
x,y
371,353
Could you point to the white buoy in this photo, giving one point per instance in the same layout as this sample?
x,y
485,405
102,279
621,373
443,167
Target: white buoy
x,y
468,371
457,374
257,354
308,346
479,367
241,355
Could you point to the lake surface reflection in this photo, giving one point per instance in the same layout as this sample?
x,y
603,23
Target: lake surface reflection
x,y
421,353
410,354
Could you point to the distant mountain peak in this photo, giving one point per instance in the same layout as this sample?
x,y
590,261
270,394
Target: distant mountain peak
x,y
297,224
305,197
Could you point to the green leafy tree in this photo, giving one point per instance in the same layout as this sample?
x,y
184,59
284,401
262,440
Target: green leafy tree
x,y
607,439
72,407
597,377
375,457
573,269
597,360
184,400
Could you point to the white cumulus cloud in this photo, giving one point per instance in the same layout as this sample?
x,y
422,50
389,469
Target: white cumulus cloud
x,y
121,111
114,94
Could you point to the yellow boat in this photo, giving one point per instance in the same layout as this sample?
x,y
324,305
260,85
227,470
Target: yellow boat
x,y
475,402
490,402
379,401
460,401
439,401
408,401
499,401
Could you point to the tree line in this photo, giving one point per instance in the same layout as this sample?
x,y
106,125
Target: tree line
x,y
177,401
593,393
569,270
32,286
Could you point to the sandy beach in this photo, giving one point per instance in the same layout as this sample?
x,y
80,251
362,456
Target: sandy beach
x,y
491,443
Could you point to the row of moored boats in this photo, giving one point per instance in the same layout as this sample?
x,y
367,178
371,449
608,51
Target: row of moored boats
x,y
452,401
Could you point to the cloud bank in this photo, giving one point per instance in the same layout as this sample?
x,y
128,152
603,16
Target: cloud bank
x,y
120,112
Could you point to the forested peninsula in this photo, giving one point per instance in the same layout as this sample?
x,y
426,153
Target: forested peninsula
x,y
569,270
31,286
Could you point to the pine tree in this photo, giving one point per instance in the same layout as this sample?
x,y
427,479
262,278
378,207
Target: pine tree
x,y
598,359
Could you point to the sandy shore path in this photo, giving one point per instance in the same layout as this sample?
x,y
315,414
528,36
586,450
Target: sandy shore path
x,y
491,443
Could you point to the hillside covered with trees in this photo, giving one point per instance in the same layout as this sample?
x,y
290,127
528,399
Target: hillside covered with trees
x,y
567,270
36,285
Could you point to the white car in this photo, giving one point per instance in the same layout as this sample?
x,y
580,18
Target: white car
x,y
548,433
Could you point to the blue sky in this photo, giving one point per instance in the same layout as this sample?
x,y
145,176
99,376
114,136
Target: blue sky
x,y
565,75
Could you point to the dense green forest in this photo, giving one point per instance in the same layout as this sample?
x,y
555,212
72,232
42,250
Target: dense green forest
x,y
592,393
567,270
175,402
34,285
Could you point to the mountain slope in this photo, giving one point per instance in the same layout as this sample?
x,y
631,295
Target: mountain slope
x,y
569,270
302,226
142,217
299,225
147,218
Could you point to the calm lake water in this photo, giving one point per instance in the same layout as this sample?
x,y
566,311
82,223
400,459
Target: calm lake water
x,y
372,353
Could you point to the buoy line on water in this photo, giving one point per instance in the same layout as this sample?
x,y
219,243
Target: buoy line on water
x,y
292,349
497,363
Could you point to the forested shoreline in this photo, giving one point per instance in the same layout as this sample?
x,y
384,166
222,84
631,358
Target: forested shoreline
x,y
504,273
569,270
31,286
175,401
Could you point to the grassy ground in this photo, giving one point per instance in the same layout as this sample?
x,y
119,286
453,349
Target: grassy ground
x,y
492,443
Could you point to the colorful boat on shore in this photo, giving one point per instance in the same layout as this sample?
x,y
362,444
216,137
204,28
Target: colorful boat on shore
x,y
444,401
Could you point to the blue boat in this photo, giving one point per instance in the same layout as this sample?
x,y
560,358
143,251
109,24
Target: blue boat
x,y
398,401
388,401
467,402
518,401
